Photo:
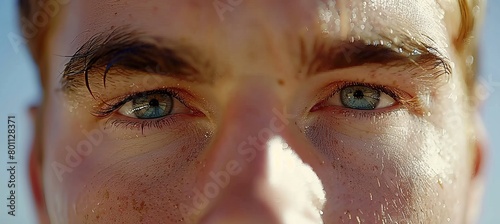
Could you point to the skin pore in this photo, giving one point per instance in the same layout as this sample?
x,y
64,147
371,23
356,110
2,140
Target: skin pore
x,y
257,129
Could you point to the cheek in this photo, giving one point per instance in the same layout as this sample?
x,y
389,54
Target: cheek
x,y
390,169
145,189
149,187
123,177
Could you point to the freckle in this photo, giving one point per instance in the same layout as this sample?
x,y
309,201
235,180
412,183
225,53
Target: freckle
x,y
116,13
281,82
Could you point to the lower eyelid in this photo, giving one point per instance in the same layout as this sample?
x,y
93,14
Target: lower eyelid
x,y
140,124
343,112
122,122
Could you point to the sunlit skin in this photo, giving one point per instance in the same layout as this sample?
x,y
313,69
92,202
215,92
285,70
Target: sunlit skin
x,y
259,103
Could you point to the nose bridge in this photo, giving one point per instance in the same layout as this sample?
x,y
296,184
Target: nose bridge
x,y
246,159
250,119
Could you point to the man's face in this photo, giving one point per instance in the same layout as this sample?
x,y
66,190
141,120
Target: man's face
x,y
255,111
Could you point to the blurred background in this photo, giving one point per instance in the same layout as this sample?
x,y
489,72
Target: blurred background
x,y
19,88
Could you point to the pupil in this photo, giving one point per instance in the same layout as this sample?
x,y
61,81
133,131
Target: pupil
x,y
358,94
154,103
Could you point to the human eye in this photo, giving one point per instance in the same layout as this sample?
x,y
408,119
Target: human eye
x,y
145,109
150,105
361,97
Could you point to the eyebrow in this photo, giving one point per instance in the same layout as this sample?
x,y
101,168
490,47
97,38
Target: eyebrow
x,y
130,50
410,52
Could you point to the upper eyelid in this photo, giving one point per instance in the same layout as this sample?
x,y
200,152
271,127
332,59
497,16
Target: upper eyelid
x,y
106,108
407,100
392,93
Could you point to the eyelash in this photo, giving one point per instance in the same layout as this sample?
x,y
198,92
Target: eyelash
x,y
369,114
140,124
108,109
364,114
390,92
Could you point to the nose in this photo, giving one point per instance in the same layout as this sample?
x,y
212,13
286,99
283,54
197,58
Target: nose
x,y
258,166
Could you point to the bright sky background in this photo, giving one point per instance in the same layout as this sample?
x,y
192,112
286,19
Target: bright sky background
x,y
19,88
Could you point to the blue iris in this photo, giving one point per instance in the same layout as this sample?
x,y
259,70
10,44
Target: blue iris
x,y
360,97
152,105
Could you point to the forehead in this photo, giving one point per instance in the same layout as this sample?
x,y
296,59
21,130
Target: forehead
x,y
205,23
